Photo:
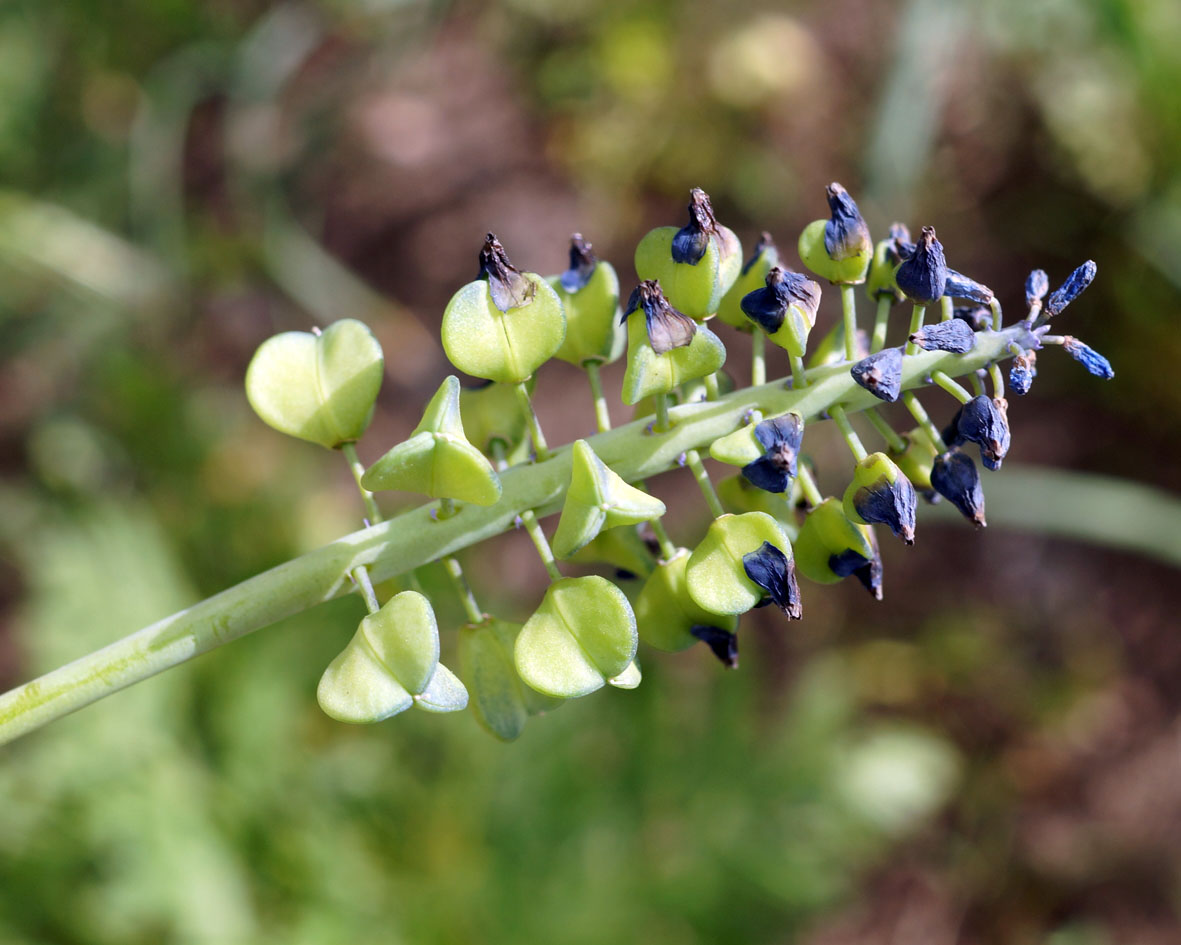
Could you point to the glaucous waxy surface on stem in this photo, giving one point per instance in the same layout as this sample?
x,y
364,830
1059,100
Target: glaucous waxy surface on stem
x,y
504,325
437,460
391,663
718,581
753,275
598,499
666,613
589,292
582,635
838,249
500,701
317,387
695,264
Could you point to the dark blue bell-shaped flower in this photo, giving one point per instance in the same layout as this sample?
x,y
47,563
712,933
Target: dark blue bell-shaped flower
x,y
780,438
880,374
923,277
775,573
956,478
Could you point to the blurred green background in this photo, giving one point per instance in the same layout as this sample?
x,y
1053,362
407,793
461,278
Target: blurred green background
x,y
989,756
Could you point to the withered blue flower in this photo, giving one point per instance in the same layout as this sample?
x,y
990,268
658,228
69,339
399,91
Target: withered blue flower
x,y
956,478
889,503
692,240
959,286
667,328
775,573
978,317
845,234
880,374
981,421
954,335
780,438
923,277
582,264
1071,289
767,307
1037,284
1022,372
723,643
509,289
902,245
1088,357
867,570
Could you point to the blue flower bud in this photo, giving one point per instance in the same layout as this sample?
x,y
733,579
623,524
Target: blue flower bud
x,y
983,422
775,573
1023,371
1037,284
767,307
959,286
880,374
923,276
954,335
1071,289
978,317
723,643
582,265
508,287
867,570
692,240
956,478
667,328
845,234
780,438
1088,357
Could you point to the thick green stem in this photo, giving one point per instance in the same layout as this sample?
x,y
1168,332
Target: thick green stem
x,y
411,539
602,414
758,358
849,314
916,322
541,543
880,323
462,589
701,474
841,419
540,447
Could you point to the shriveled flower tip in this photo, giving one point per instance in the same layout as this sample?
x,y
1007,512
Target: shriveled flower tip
x,y
901,245
667,328
880,374
923,276
764,244
508,287
775,573
767,307
1071,289
692,240
845,234
1037,284
956,478
780,438
889,503
582,264
983,421
867,570
723,643
959,286
978,317
1089,358
954,335
1023,371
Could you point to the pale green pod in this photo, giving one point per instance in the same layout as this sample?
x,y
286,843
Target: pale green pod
x,y
651,373
630,678
317,387
492,412
716,575
739,495
737,448
589,292
917,460
752,276
598,499
437,460
827,532
880,492
500,702
838,249
583,634
621,548
666,613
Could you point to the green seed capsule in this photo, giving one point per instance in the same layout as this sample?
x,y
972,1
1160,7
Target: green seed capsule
x,y
887,256
717,578
589,291
506,324
916,460
662,350
826,533
598,499
491,412
881,493
317,387
391,663
753,276
785,308
437,460
838,249
500,702
582,635
739,495
695,264
621,548
665,612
